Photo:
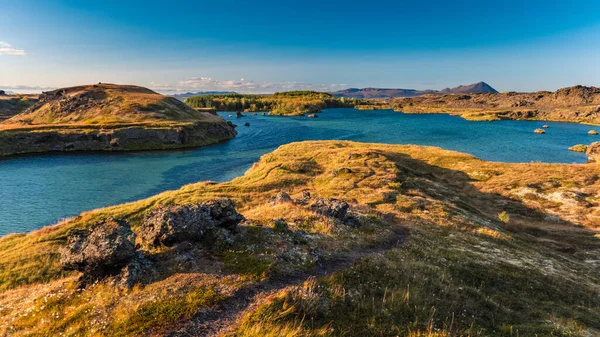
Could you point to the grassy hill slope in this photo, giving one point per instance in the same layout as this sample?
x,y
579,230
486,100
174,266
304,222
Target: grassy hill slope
x,y
444,244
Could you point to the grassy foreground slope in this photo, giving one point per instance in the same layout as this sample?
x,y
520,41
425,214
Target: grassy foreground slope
x,y
572,104
448,245
291,103
109,117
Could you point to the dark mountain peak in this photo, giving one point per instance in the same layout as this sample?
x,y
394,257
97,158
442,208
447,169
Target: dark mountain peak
x,y
475,88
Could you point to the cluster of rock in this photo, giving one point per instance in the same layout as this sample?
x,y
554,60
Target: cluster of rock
x,y
333,208
109,248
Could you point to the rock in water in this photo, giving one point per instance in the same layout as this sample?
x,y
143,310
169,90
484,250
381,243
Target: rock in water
x,y
578,148
312,116
539,131
247,124
592,132
168,225
239,114
102,251
545,126
593,152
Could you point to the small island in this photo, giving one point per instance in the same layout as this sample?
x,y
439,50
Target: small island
x,y
290,103
109,117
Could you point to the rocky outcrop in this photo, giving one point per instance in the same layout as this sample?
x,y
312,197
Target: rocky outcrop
x,y
108,249
280,198
118,139
100,252
593,152
539,131
336,209
168,225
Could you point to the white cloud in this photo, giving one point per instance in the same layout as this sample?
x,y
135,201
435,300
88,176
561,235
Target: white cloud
x,y
241,86
7,49
25,89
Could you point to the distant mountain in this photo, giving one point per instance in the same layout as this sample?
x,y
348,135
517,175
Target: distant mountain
x,y
200,93
476,88
380,93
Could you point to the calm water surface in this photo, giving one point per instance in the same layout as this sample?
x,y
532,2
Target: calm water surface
x,y
40,190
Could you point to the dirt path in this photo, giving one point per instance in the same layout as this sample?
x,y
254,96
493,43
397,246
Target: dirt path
x,y
226,316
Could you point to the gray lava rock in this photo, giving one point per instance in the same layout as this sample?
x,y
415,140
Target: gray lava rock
x,y
304,198
333,208
279,225
280,198
337,209
168,225
102,251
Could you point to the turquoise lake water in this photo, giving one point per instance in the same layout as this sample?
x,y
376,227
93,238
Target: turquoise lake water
x,y
40,190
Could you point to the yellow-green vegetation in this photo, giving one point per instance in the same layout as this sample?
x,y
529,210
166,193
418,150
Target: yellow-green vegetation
x,y
448,245
380,106
574,104
109,117
291,103
578,148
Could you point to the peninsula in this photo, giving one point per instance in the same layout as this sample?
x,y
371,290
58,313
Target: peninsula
x,y
331,238
109,117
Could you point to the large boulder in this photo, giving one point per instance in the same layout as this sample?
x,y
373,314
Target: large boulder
x,y
168,225
593,152
102,251
334,208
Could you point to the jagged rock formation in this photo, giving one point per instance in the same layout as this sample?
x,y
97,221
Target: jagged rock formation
x,y
168,225
574,104
102,251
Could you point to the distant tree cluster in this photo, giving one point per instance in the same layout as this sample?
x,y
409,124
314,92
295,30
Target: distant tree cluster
x,y
280,103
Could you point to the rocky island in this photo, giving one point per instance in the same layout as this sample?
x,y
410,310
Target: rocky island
x,y
109,117
331,238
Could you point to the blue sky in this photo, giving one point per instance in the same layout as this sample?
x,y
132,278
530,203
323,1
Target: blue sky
x,y
278,45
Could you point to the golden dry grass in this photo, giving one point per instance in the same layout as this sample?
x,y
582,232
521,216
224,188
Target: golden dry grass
x,y
458,255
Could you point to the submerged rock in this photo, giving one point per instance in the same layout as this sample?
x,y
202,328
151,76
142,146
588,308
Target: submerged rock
x,y
247,124
102,251
168,225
